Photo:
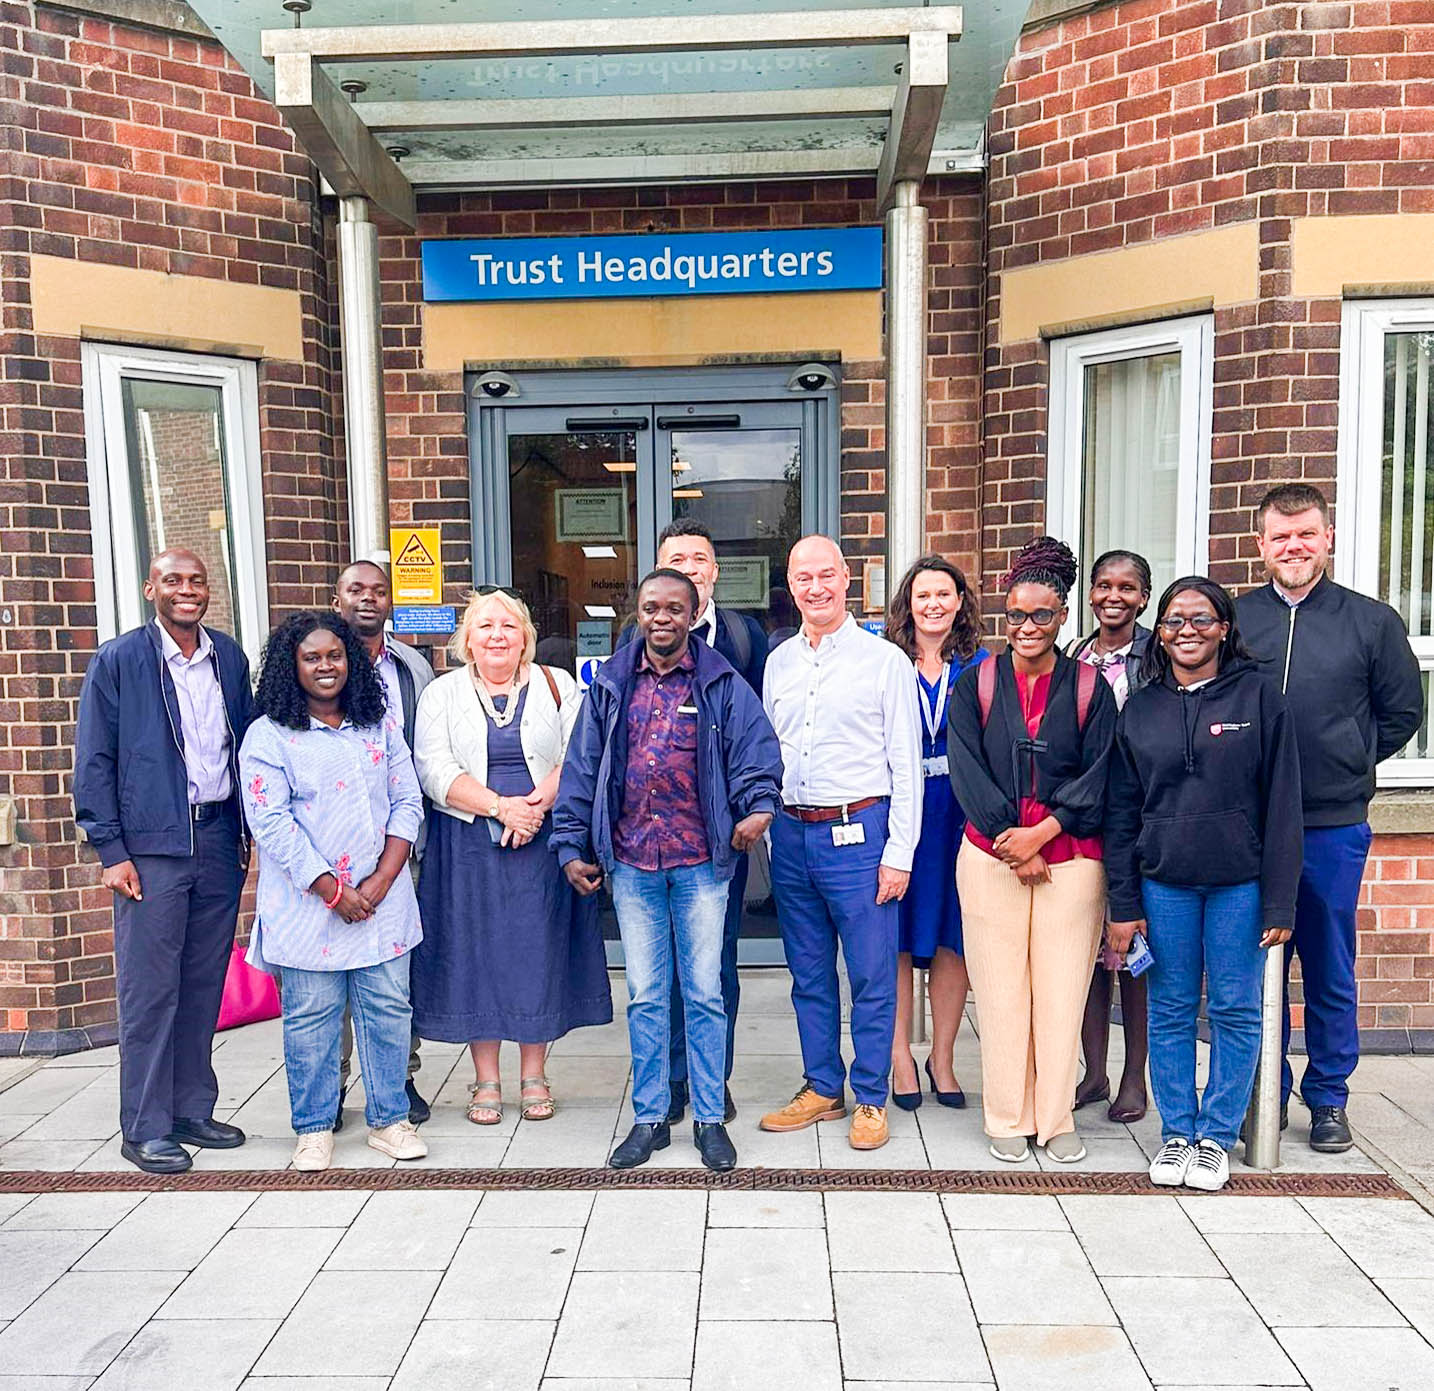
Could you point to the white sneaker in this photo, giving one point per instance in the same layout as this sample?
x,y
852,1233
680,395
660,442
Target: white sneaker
x,y
399,1141
315,1151
1209,1169
1170,1166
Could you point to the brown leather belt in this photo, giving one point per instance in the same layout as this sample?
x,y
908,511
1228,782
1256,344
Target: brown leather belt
x,y
813,814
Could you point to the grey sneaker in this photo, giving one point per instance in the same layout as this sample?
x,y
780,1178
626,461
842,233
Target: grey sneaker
x,y
1010,1149
1170,1166
1066,1149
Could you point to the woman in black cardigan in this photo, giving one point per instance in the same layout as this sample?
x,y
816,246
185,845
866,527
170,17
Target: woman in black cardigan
x,y
1029,745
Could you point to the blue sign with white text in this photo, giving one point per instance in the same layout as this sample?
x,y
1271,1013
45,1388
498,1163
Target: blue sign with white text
x,y
424,618
687,263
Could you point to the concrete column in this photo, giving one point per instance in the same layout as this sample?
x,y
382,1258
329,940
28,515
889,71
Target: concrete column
x,y
362,351
906,417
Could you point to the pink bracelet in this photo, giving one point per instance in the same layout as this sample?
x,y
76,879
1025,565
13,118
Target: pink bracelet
x,y
333,902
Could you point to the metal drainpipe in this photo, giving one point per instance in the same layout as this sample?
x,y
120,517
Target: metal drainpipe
x,y
906,417
362,353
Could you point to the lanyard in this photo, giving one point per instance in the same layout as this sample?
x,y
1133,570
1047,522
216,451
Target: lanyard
x,y
932,719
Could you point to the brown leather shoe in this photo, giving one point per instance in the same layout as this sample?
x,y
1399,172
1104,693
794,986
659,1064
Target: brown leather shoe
x,y
868,1128
805,1108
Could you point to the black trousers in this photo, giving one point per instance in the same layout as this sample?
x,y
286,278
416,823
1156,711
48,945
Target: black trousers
x,y
171,952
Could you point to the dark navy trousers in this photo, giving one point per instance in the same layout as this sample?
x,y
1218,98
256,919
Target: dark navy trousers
x,y
1324,937
171,953
826,894
731,989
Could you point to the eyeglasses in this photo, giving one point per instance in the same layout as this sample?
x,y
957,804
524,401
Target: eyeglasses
x,y
1018,618
1201,622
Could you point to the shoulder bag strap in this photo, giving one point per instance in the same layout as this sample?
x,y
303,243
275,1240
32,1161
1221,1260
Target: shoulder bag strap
x,y
986,688
552,686
1086,677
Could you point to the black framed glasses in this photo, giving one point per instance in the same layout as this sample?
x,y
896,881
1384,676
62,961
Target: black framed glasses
x,y
1201,622
1042,618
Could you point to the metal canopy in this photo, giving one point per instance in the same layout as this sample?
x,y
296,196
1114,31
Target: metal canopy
x,y
623,91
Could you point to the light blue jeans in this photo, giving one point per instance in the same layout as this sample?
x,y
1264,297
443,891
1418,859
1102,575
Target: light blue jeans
x,y
1214,934
313,1024
655,910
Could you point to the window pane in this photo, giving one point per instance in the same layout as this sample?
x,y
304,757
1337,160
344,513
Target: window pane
x,y
745,487
178,488
573,499
1130,463
1406,500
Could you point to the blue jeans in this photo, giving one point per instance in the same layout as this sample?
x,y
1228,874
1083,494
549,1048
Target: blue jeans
x,y
731,987
827,894
313,1023
1212,933
657,910
1324,937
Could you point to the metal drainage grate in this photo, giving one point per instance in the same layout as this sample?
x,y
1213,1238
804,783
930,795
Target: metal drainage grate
x,y
740,1180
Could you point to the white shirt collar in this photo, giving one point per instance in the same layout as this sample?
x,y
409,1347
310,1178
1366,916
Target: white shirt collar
x,y
708,619
833,638
171,651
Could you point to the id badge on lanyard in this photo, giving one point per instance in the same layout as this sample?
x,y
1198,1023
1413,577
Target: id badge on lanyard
x,y
938,765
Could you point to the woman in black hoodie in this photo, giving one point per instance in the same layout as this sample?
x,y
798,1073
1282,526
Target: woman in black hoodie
x,y
1203,836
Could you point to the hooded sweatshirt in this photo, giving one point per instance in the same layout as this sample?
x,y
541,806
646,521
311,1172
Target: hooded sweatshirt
x,y
1205,791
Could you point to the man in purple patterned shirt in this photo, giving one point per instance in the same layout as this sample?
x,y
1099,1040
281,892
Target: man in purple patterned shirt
x,y
672,772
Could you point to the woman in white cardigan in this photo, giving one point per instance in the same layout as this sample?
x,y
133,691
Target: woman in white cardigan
x,y
509,950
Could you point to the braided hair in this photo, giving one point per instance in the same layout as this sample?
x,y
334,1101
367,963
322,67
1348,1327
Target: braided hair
x,y
1045,560
1136,561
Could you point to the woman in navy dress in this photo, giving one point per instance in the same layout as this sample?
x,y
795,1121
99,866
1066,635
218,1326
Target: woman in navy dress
x,y
934,621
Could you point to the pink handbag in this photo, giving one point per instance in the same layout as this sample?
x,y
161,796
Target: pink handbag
x,y
250,995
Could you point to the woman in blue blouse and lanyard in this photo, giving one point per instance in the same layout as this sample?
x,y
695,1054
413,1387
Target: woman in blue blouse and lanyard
x,y
333,801
933,620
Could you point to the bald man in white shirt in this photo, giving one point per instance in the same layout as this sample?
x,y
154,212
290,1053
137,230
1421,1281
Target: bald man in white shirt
x,y
845,710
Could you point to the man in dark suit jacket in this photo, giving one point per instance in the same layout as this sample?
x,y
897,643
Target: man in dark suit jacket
x,y
686,546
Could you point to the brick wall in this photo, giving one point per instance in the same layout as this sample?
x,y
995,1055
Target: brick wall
x,y
140,149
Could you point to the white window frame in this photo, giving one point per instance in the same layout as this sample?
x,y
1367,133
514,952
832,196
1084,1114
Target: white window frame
x,y
1194,339
105,367
1360,463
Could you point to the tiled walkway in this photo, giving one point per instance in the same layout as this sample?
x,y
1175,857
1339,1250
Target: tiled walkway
x,y
691,1291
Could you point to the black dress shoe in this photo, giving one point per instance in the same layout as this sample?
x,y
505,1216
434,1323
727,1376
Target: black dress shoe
x,y
339,1114
729,1107
1329,1130
677,1102
208,1134
641,1141
714,1146
157,1156
418,1109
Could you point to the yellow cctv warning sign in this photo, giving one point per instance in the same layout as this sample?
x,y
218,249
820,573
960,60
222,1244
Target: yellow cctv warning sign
x,y
417,574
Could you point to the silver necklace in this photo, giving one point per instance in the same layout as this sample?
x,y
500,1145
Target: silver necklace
x,y
501,718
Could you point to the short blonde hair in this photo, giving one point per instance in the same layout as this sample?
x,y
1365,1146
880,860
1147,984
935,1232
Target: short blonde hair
x,y
461,646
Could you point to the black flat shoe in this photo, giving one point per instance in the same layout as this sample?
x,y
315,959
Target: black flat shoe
x,y
418,1109
638,1148
1329,1130
714,1146
339,1114
208,1134
729,1107
677,1102
157,1156
955,1099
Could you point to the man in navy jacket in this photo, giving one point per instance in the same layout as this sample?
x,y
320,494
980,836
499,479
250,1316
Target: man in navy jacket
x,y
1352,681
672,773
162,712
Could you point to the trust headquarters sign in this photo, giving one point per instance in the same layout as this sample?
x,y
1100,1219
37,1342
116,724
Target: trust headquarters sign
x,y
692,263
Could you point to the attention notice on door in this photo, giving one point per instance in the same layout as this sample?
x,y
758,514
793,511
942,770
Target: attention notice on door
x,y
417,571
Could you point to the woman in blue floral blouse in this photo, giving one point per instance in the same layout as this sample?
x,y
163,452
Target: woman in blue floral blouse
x,y
333,801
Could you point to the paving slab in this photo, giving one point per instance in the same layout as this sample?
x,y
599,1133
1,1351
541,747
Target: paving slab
x,y
350,1323
405,1230
1005,1212
1227,1212
335,1208
508,1273
1384,1237
1089,1357
740,1356
627,1324
315,1384
762,1274
32,1261
534,1209
1198,1332
645,1230
1031,1277
253,1273
768,1209
886,1328
1414,1299
58,1212
1360,1359
1302,1279
888,1231
197,1354
1138,1236
168,1231
475,1355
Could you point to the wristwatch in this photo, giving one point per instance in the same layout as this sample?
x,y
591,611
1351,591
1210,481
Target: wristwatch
x,y
493,810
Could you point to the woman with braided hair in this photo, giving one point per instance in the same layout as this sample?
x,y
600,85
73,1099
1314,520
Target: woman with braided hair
x,y
1029,740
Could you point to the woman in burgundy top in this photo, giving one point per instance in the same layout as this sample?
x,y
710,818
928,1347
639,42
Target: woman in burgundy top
x,y
1029,743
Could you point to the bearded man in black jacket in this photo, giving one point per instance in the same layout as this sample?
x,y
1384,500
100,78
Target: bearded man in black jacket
x,y
1352,682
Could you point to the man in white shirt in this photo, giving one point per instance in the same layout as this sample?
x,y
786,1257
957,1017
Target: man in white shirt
x,y
844,705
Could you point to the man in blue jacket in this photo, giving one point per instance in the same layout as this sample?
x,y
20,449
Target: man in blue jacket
x,y
1352,681
672,773
162,712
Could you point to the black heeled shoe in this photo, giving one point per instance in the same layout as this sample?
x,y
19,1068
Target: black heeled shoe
x,y
908,1101
956,1100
